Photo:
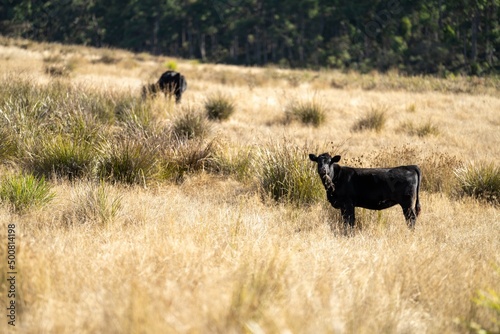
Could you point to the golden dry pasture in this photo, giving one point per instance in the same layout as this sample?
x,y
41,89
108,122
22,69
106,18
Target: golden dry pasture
x,y
209,254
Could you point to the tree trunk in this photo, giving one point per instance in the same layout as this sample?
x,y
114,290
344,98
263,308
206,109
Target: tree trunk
x,y
203,51
475,28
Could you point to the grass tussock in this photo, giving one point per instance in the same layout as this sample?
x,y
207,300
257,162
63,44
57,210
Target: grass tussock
x,y
423,130
284,174
235,162
9,147
308,112
438,173
480,180
127,161
374,120
191,124
61,157
93,204
219,107
21,192
186,157
56,70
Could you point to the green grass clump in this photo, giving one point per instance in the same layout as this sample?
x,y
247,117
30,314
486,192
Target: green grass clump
x,y
219,107
127,161
63,157
374,120
23,192
285,174
480,180
190,124
8,145
307,112
171,65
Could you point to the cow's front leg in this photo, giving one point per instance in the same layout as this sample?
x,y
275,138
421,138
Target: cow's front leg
x,y
348,217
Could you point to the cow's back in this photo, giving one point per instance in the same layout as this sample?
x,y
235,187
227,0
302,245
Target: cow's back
x,y
373,188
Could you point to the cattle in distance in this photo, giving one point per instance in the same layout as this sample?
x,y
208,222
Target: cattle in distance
x,y
171,83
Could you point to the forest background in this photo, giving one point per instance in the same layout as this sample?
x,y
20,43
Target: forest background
x,y
441,37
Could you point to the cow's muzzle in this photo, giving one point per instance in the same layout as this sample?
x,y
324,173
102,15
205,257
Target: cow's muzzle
x,y
327,181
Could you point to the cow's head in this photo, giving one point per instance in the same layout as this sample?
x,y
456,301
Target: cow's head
x,y
326,168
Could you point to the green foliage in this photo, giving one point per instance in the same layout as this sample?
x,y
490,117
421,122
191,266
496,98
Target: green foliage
x,y
371,35
374,120
171,65
23,192
307,112
285,174
219,107
480,180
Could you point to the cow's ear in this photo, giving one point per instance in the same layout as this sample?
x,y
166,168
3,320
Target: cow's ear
x,y
313,157
335,159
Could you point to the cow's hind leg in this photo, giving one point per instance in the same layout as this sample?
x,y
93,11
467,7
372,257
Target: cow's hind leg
x,y
410,216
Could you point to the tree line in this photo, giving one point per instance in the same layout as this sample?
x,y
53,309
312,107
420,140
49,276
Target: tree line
x,y
412,36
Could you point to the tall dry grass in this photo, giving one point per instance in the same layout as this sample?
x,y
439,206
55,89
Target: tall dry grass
x,y
190,245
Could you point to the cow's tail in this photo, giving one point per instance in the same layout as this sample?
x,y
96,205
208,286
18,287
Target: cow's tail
x,y
419,179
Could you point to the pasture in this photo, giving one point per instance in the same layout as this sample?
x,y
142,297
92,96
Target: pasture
x,y
150,217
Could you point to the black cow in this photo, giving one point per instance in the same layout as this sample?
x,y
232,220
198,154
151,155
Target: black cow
x,y
370,188
170,83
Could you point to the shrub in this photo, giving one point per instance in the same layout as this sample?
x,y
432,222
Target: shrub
x,y
307,112
480,180
219,107
374,120
285,174
23,192
190,124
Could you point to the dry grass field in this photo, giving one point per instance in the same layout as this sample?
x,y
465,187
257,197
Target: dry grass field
x,y
204,249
